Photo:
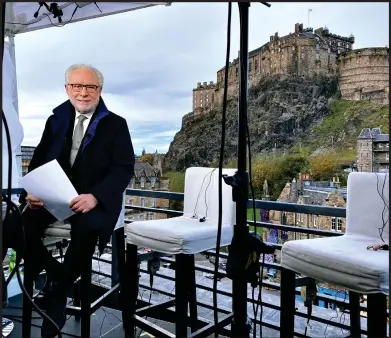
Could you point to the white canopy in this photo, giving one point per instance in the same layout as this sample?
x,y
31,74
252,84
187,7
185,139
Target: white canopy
x,y
19,16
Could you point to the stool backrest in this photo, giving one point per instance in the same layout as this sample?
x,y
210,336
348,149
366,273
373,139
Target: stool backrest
x,y
367,201
202,194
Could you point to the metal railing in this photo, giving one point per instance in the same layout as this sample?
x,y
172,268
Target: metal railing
x,y
259,204
268,205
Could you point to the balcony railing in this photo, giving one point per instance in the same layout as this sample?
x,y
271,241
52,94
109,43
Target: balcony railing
x,y
316,319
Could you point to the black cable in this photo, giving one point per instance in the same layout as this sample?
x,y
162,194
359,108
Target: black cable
x,y
332,317
221,162
206,190
53,24
11,205
386,205
200,191
259,301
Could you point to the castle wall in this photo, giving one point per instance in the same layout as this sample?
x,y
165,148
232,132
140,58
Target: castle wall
x,y
203,96
364,75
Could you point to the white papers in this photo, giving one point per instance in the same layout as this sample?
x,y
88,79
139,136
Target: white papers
x,y
51,186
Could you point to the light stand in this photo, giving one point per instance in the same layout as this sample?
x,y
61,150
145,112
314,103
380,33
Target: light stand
x,y
240,325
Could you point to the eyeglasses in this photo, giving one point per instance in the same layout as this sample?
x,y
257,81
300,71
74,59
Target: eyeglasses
x,y
89,88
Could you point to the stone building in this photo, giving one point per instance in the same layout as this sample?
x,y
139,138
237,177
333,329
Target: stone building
x,y
305,191
27,155
303,52
146,177
363,73
373,151
203,96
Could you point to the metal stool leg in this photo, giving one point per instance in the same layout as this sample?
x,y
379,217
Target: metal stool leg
x,y
355,322
181,295
192,294
76,297
129,290
85,285
287,317
377,315
120,256
27,307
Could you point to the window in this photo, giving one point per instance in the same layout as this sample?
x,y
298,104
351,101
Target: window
x,y
333,223
150,216
339,224
152,181
315,220
250,66
142,202
237,71
387,155
142,182
152,202
131,203
131,184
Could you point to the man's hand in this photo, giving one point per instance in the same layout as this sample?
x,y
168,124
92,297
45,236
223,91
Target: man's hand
x,y
33,202
83,203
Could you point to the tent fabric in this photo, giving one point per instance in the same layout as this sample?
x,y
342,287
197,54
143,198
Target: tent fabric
x,y
20,15
11,115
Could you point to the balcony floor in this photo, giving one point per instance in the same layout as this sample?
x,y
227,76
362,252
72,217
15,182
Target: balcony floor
x,y
107,323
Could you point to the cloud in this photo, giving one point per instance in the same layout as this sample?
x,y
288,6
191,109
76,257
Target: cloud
x,y
153,58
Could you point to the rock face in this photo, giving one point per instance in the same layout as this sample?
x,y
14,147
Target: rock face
x,y
282,110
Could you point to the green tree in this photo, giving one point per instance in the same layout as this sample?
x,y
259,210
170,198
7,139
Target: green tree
x,y
147,158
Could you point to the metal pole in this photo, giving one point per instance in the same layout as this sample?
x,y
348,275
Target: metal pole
x,y
114,253
240,326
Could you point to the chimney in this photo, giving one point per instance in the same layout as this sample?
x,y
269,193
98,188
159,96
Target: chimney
x,y
205,83
211,82
271,38
198,84
276,36
301,27
297,28
293,193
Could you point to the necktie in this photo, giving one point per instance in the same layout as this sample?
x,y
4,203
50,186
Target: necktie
x,y
77,138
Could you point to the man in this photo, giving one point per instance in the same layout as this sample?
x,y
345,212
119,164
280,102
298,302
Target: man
x,y
94,148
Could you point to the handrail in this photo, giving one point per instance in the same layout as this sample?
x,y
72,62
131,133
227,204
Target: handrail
x,y
268,205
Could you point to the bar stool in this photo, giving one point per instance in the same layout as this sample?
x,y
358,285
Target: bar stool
x,y
345,260
184,236
60,230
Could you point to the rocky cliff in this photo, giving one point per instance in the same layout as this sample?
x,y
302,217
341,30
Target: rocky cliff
x,y
283,111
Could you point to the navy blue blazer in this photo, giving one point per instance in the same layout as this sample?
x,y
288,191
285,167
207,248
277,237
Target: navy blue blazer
x,y
104,164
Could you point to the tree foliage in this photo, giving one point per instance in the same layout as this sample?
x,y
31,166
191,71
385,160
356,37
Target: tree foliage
x,y
147,158
324,167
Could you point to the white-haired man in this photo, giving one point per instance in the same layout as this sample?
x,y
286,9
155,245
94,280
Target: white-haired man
x,y
94,148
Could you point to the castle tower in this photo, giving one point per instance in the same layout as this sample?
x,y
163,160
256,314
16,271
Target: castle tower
x,y
365,151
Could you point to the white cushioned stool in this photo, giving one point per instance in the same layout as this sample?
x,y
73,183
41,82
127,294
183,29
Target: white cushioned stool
x,y
183,237
82,307
345,260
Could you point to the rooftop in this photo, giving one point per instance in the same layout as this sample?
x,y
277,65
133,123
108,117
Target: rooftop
x,y
328,318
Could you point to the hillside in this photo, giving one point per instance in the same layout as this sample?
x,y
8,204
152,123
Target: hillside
x,y
284,113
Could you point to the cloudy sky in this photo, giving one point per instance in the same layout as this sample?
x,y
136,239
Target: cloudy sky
x,y
153,58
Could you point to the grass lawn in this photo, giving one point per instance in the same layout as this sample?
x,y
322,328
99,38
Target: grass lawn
x,y
258,218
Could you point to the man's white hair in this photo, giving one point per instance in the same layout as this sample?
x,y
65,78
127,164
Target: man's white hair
x,y
85,66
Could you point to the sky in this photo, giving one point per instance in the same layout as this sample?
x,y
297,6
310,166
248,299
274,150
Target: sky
x,y
153,58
